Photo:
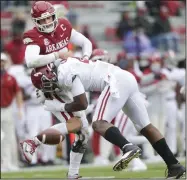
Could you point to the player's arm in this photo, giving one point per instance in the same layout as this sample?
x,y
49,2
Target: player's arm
x,y
80,40
79,97
34,59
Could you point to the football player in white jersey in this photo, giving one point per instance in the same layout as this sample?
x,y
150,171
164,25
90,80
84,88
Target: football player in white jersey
x,y
37,119
119,90
70,123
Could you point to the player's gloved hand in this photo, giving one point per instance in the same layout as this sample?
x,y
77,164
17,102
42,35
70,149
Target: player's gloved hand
x,y
54,105
85,58
40,96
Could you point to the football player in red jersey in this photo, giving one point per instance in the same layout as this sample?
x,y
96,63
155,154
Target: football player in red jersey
x,y
49,39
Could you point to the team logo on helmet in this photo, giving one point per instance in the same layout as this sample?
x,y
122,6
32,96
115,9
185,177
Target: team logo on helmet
x,y
46,42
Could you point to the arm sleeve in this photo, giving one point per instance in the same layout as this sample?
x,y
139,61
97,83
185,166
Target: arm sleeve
x,y
77,87
33,59
80,40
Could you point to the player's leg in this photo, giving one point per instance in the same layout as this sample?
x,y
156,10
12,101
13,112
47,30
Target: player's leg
x,y
129,131
127,128
171,124
106,109
78,149
136,110
51,136
99,146
183,131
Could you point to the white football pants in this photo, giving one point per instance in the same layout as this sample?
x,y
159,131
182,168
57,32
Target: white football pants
x,y
9,149
130,101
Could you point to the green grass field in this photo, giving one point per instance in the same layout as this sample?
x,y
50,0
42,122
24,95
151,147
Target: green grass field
x,y
154,171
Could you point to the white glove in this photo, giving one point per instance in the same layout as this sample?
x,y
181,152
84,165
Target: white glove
x,y
40,96
54,105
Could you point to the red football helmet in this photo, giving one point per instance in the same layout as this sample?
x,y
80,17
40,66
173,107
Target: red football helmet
x,y
100,54
41,10
45,78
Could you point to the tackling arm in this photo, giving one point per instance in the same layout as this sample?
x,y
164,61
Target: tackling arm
x,y
80,40
80,101
34,59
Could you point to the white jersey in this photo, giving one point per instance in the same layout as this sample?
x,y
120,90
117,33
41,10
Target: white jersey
x,y
94,75
66,96
119,89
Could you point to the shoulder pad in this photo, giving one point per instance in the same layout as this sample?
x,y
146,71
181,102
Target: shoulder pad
x,y
29,37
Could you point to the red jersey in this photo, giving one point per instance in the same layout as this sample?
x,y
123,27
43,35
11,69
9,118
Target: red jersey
x,y
50,42
9,88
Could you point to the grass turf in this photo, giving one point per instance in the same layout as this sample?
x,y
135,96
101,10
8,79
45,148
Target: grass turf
x,y
154,171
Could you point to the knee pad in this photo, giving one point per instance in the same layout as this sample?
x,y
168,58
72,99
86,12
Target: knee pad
x,y
81,140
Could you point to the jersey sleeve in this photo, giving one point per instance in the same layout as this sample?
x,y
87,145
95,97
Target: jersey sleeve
x,y
29,38
77,87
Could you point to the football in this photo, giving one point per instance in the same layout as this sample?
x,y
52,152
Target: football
x,y
52,136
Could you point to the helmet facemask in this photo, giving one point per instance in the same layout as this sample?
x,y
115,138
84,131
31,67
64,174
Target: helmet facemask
x,y
49,85
46,28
